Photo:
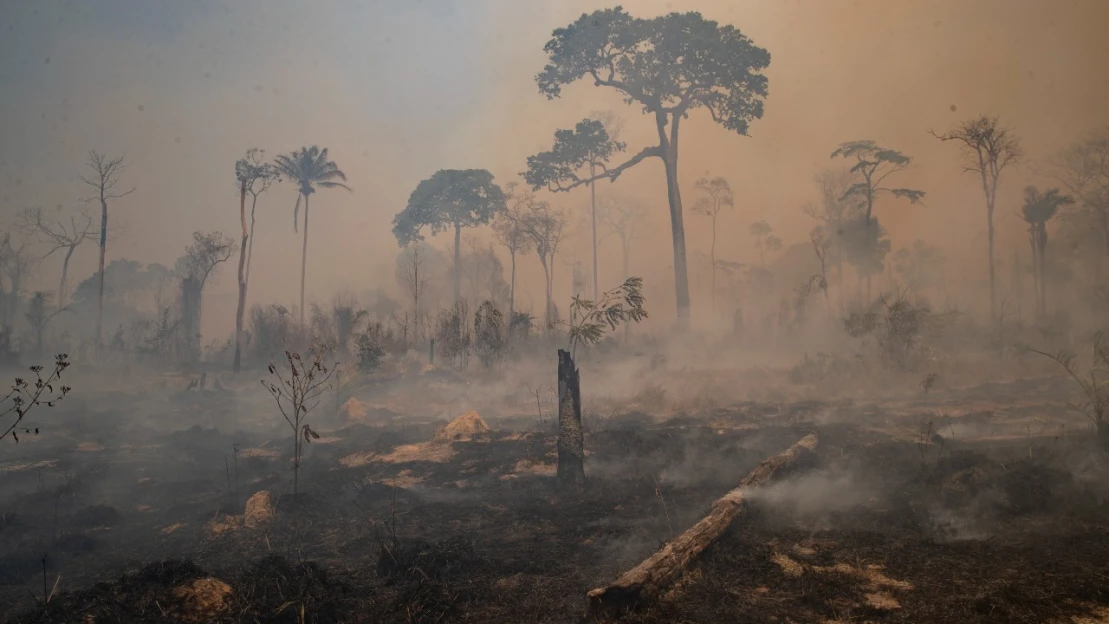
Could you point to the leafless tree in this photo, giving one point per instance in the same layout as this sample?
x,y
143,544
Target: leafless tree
x,y
716,195
412,276
833,211
59,235
508,227
988,149
546,227
39,314
104,180
201,259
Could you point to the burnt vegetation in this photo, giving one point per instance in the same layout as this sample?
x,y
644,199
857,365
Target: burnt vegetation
x,y
813,413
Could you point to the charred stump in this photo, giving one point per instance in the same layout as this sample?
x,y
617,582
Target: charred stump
x,y
648,580
571,440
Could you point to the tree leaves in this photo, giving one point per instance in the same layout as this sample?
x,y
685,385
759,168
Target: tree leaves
x,y
588,146
623,304
449,198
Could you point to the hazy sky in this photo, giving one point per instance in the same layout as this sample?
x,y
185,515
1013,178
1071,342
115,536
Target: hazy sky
x,y
400,88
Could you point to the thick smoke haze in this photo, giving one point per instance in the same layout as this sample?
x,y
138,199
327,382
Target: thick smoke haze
x,y
399,89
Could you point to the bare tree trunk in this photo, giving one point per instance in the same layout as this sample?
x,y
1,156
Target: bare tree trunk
x,y
712,259
571,440
593,215
304,261
65,274
457,262
512,288
993,269
250,250
650,578
100,288
669,150
241,308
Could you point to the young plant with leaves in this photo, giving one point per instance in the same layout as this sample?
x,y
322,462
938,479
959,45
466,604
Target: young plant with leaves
x,y
1093,382
27,395
589,320
297,392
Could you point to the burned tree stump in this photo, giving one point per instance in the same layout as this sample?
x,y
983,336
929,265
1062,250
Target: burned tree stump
x,y
571,441
650,578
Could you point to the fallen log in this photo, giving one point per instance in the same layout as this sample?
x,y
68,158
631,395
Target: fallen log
x,y
650,578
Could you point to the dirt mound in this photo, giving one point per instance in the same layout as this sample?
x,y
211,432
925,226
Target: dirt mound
x,y
259,509
353,410
201,600
465,427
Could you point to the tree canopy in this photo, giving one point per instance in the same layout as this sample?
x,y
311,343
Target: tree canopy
x,y
587,145
308,168
669,64
449,198
873,164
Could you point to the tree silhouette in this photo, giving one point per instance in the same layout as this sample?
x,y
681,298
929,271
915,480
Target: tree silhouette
x,y
58,235
308,168
103,178
1039,208
450,198
716,196
669,65
622,216
588,146
1084,169
508,227
546,227
207,251
765,239
254,176
873,164
987,150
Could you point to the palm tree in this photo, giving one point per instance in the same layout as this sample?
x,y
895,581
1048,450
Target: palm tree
x,y
1037,210
308,168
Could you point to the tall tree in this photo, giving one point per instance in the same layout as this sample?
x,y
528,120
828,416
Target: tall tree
x,y
1084,169
669,65
873,164
40,312
58,235
577,154
450,198
254,176
508,227
716,195
1039,208
103,178
987,150
546,227
308,168
207,251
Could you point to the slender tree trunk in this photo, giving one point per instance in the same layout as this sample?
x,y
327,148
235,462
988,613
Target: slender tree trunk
x,y
593,216
65,274
669,148
512,287
100,288
241,308
571,440
1043,268
712,259
304,261
250,249
457,262
1035,266
993,268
